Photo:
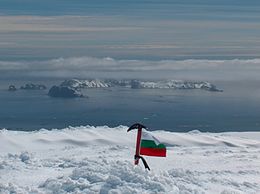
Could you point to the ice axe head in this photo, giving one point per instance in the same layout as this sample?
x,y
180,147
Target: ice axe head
x,y
136,126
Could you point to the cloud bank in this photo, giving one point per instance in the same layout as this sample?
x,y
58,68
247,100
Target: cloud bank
x,y
108,67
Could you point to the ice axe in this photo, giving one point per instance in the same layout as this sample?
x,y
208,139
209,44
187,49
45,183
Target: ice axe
x,y
139,127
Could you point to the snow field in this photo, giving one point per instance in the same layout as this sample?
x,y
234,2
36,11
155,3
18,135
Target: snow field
x,y
100,160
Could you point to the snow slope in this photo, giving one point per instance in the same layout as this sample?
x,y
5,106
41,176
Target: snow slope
x,y
100,160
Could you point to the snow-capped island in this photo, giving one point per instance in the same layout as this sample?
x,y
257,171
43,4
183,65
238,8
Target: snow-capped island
x,y
140,84
173,84
76,83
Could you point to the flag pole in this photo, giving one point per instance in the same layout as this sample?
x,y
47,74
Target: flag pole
x,y
137,148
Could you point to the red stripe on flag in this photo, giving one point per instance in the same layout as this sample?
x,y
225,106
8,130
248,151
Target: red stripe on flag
x,y
160,152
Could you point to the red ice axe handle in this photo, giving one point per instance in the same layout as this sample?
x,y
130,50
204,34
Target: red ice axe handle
x,y
137,147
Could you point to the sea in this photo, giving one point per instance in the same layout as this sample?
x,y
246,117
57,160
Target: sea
x,y
237,108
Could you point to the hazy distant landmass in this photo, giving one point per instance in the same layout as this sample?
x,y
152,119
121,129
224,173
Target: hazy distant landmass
x,y
28,86
31,86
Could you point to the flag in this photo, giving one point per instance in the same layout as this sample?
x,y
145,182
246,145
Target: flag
x,y
150,146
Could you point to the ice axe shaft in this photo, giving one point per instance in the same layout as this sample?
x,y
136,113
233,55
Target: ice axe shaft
x,y
137,148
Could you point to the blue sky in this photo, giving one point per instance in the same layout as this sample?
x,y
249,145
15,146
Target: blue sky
x,y
123,29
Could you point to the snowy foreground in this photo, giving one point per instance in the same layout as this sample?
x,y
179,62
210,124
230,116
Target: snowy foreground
x,y
100,160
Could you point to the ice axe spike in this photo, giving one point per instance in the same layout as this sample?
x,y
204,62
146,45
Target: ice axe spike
x,y
144,162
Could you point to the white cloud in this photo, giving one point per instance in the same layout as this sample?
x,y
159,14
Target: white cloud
x,y
187,69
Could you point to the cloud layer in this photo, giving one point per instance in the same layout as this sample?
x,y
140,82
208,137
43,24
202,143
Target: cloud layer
x,y
109,67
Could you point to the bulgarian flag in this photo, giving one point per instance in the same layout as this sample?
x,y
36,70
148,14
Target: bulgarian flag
x,y
150,146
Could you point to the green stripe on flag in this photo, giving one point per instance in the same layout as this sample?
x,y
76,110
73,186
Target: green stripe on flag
x,y
151,144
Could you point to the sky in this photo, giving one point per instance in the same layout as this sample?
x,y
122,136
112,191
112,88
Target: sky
x,y
34,33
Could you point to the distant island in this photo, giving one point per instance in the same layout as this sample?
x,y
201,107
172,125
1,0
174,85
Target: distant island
x,y
12,88
71,88
28,86
139,84
31,86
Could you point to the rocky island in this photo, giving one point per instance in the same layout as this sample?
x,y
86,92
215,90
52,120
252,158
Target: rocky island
x,y
12,88
64,92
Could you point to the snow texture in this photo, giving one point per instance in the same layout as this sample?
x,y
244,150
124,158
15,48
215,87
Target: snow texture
x,y
100,160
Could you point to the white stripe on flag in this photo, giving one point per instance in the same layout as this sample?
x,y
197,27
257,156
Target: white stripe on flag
x,y
148,136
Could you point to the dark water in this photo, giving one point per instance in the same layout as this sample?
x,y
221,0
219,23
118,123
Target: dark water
x,y
235,109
